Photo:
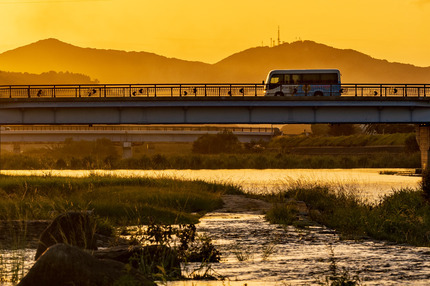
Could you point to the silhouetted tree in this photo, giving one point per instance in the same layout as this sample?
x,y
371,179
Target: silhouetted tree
x,y
388,128
320,129
223,142
342,129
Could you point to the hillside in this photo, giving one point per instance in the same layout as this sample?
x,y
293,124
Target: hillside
x,y
251,65
108,66
355,67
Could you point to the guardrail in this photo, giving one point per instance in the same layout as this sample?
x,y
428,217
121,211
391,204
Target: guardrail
x,y
204,90
48,128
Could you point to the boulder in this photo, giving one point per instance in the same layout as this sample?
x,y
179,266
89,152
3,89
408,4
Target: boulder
x,y
149,258
62,264
73,228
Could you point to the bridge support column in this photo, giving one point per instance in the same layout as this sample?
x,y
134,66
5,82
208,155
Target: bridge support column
x,y
423,139
126,150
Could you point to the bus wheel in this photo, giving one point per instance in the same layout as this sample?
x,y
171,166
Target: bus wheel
x,y
318,93
279,93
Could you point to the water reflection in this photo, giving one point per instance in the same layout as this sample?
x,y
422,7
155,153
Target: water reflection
x,y
368,183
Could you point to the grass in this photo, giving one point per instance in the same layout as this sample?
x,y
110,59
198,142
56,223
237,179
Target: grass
x,y
402,217
122,201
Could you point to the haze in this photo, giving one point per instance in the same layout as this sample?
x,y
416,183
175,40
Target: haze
x,y
208,31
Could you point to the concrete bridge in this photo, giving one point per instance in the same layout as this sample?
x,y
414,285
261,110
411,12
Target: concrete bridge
x,y
400,104
139,134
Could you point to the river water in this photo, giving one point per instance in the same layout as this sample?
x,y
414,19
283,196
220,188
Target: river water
x,y
254,252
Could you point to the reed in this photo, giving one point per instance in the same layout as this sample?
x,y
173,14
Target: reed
x,y
402,217
122,201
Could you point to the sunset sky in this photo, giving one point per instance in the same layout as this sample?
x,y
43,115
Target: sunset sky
x,y
210,30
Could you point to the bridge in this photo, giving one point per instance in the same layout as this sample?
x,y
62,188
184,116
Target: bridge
x,y
119,134
215,104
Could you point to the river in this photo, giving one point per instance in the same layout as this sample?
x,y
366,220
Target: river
x,y
367,183
255,252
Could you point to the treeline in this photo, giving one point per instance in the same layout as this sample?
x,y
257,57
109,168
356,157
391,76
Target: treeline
x,y
221,151
218,161
16,78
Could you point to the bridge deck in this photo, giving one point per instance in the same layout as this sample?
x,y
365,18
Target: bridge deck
x,y
214,110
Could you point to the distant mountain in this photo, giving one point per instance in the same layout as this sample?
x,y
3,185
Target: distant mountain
x,y
355,67
108,66
16,78
251,65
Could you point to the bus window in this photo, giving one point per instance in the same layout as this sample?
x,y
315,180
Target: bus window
x,y
295,79
311,78
287,79
329,78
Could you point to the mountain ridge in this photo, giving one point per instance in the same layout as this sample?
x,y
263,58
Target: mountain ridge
x,y
250,65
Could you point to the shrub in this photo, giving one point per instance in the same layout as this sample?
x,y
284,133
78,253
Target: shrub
x,y
223,142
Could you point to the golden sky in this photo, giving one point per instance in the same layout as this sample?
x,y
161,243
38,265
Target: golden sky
x,y
210,30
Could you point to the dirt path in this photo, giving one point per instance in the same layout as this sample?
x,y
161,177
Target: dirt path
x,y
242,204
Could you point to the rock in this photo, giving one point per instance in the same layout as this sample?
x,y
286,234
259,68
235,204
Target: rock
x,y
145,257
74,228
63,264
121,253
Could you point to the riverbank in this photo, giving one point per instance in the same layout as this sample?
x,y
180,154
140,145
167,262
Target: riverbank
x,y
323,158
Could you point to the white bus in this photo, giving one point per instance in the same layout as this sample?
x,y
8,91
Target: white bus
x,y
307,82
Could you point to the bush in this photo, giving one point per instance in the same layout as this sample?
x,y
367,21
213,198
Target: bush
x,y
223,142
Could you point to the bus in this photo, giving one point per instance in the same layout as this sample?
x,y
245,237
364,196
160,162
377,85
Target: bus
x,y
306,82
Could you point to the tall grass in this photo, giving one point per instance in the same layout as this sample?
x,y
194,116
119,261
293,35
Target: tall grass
x,y
402,217
120,200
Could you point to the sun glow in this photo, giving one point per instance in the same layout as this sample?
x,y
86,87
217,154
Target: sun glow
x,y
209,31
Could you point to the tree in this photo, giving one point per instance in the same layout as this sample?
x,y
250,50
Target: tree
x,y
342,129
223,142
320,129
388,128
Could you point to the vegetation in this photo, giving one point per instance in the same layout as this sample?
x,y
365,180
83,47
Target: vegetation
x,y
356,140
218,161
223,142
121,201
219,151
403,217
12,78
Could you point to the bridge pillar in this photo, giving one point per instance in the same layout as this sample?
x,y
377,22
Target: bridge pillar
x,y
423,139
126,150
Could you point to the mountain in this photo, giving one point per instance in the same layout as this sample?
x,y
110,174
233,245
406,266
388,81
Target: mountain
x,y
108,66
250,66
355,67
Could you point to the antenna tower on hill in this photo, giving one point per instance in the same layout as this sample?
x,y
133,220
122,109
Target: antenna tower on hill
x,y
279,36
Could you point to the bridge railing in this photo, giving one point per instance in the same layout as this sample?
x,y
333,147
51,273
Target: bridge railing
x,y
384,90
108,128
131,90
201,90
